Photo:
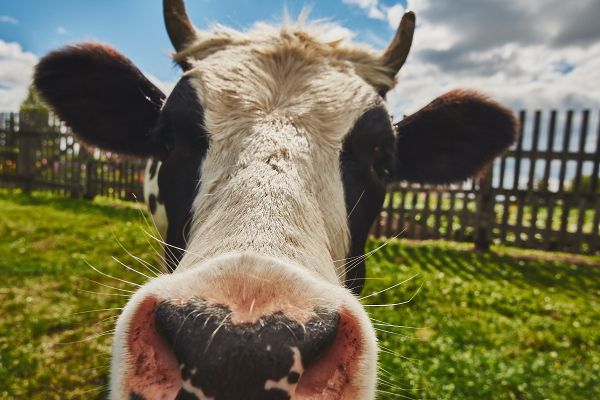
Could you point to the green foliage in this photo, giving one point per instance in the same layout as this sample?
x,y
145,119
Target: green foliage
x,y
33,103
509,325
585,185
34,113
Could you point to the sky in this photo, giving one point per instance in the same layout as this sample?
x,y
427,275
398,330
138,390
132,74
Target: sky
x,y
534,54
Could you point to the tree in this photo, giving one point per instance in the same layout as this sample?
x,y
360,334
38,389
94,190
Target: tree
x,y
585,184
33,102
33,112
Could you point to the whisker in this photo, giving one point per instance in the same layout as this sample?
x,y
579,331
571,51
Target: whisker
x,y
369,254
379,367
396,304
395,394
383,323
183,230
183,323
92,337
111,317
395,386
158,253
212,336
355,204
366,278
146,264
393,333
172,246
104,387
391,287
109,287
130,269
99,310
393,353
103,293
145,218
110,276
374,250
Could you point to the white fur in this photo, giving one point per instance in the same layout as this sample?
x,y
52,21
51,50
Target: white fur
x,y
151,187
270,212
275,104
297,285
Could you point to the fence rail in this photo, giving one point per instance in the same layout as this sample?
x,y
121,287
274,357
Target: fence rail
x,y
544,193
37,152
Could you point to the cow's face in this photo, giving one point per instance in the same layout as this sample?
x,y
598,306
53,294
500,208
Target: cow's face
x,y
274,148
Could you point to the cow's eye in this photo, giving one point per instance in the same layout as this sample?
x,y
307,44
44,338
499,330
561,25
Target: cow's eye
x,y
370,144
163,134
383,161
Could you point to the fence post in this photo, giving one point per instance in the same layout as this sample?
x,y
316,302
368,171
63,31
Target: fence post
x,y
75,178
11,123
73,162
26,160
90,179
485,211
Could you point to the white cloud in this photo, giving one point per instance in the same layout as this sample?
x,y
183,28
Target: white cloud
x,y
7,19
61,30
16,69
527,54
374,10
380,11
394,15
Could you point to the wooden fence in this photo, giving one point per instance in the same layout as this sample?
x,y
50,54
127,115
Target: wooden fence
x,y
543,194
37,152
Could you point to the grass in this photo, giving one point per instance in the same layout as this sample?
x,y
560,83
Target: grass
x,y
491,326
511,324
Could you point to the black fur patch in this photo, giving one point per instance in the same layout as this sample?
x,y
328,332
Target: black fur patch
x,y
293,378
452,138
152,203
184,395
102,96
153,168
367,156
233,362
449,140
181,129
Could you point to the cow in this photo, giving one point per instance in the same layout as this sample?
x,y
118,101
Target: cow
x,y
269,161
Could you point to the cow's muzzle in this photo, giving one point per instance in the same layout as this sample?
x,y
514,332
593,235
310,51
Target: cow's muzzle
x,y
260,360
193,350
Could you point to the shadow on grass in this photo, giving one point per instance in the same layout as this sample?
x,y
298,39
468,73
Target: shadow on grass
x,y
471,265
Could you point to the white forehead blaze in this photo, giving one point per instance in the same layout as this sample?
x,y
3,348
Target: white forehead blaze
x,y
276,110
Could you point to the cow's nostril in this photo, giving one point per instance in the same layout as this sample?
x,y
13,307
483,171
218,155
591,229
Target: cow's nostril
x,y
261,360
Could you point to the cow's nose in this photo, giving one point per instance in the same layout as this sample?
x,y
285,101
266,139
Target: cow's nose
x,y
222,360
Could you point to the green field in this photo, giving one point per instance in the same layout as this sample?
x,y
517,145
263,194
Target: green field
x,y
512,324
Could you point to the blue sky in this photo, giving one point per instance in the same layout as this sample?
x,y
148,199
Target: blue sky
x,y
135,27
528,54
534,54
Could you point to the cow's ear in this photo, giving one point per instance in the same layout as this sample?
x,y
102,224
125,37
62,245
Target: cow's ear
x,y
102,96
452,138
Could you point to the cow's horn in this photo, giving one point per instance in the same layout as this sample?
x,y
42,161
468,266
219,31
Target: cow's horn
x,y
180,29
396,53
